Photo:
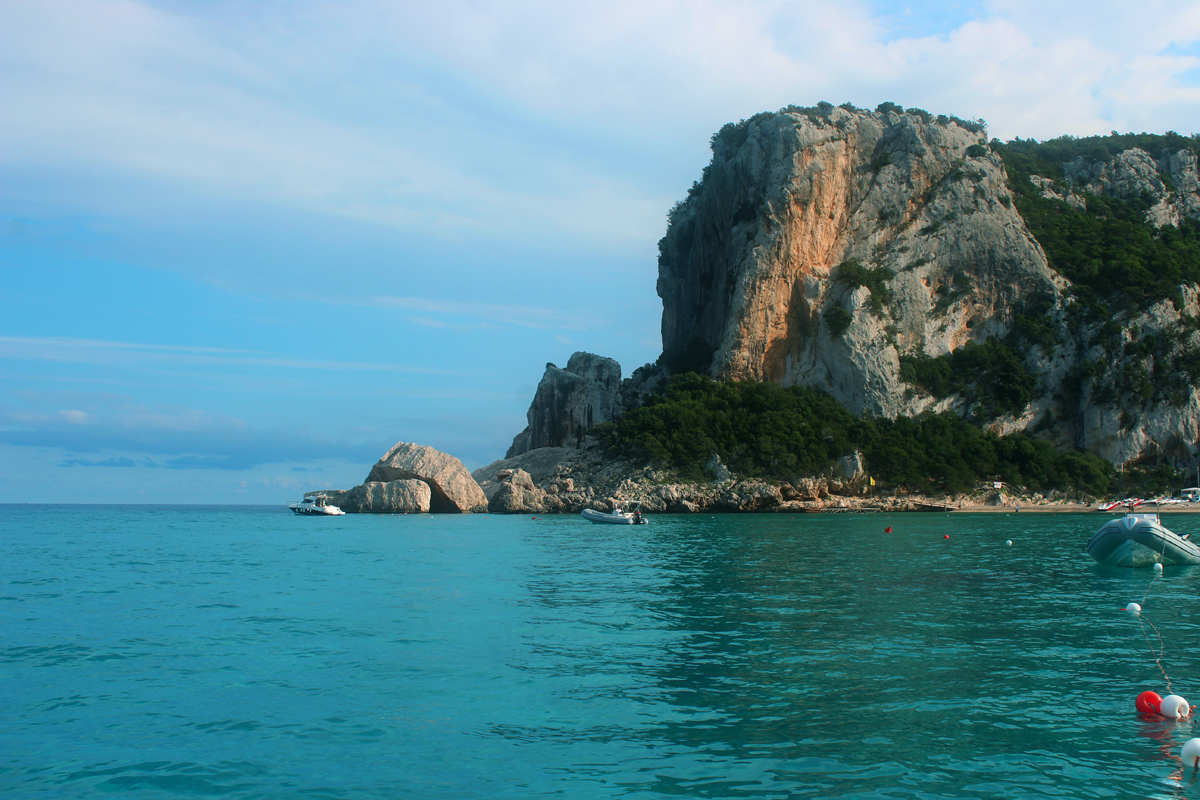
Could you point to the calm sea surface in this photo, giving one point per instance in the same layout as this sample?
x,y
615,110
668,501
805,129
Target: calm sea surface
x,y
175,651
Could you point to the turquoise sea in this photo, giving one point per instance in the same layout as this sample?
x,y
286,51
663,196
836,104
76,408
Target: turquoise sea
x,y
192,651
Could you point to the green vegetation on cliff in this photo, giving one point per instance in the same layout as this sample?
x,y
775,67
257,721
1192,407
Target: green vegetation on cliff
x,y
1116,262
1112,255
853,274
733,135
1023,157
990,374
765,430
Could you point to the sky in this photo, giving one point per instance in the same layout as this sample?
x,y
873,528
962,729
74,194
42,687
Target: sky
x,y
245,247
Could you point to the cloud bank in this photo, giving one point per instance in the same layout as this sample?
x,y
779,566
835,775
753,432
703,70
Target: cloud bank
x,y
470,117
281,233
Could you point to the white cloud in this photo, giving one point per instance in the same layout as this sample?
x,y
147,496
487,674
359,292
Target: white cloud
x,y
1042,70
518,315
535,119
115,84
107,353
188,438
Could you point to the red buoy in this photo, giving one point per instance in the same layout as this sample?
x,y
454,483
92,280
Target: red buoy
x,y
888,529
947,536
1147,702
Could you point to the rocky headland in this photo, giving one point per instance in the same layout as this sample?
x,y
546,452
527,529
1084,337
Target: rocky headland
x,y
847,250
822,246
905,266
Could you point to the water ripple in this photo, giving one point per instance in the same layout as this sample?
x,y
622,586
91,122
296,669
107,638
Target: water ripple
x,y
177,652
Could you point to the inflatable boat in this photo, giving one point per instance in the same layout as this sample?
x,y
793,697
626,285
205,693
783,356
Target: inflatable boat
x,y
1140,540
617,517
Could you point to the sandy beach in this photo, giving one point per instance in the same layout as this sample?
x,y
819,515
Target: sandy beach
x,y
1072,508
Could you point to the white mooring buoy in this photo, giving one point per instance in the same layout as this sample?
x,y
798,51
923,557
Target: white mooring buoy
x,y
1133,608
1191,753
1174,707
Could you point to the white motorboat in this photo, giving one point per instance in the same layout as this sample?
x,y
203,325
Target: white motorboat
x,y
315,507
1140,540
617,517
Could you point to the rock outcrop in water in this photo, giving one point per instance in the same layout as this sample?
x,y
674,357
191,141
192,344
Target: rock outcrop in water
x,y
453,490
413,478
374,497
515,493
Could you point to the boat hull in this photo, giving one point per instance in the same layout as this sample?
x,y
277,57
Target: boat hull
x,y
1134,541
591,515
316,511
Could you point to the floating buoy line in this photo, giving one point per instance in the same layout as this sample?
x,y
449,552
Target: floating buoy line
x,y
1143,621
1172,707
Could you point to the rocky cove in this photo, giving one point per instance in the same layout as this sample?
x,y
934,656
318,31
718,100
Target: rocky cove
x,y
561,480
557,480
905,266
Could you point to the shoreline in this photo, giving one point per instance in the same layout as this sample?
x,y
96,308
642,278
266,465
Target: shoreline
x,y
1073,508
562,480
931,507
918,507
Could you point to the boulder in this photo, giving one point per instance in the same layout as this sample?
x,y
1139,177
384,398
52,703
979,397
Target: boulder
x,y
394,497
757,496
850,467
809,489
719,472
516,494
542,466
569,402
452,489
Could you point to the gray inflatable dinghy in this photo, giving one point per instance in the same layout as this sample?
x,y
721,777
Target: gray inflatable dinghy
x,y
1140,540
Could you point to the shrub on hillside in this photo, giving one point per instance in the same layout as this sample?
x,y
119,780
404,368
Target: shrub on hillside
x,y
767,430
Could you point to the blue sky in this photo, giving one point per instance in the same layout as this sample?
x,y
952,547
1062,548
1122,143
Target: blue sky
x,y
246,247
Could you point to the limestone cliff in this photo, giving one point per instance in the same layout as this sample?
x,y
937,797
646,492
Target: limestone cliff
x,y
1171,181
569,402
822,245
831,247
748,268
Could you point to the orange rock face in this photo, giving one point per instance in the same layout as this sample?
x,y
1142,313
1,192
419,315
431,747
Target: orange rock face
x,y
749,267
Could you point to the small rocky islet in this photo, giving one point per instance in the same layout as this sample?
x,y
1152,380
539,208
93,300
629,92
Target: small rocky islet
x,y
904,265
